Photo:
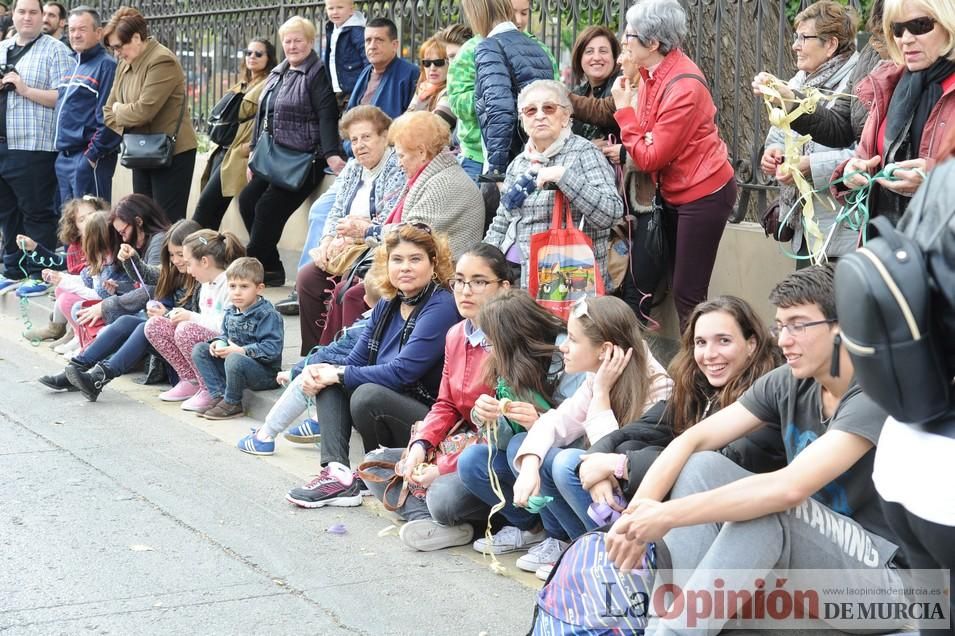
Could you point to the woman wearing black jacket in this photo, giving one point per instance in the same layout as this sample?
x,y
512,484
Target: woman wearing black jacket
x,y
299,107
724,349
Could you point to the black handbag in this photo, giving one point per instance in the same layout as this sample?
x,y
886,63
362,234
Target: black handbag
x,y
224,120
282,167
150,150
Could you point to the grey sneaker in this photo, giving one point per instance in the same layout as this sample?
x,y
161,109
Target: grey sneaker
x,y
545,553
509,539
427,535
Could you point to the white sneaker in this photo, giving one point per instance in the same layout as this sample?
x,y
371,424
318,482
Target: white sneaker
x,y
544,571
509,539
427,535
68,346
545,553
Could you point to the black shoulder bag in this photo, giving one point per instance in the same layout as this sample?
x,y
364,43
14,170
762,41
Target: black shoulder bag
x,y
150,150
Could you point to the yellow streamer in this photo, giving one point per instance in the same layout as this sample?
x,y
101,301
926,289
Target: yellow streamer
x,y
792,152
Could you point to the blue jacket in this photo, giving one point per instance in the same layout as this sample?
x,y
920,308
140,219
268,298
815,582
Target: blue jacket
x,y
335,352
259,330
420,360
506,62
395,91
79,105
350,58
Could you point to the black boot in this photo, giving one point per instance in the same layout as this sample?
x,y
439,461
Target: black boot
x,y
57,382
91,382
60,382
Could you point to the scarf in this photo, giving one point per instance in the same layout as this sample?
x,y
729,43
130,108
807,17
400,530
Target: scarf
x,y
538,158
817,79
416,390
398,212
912,102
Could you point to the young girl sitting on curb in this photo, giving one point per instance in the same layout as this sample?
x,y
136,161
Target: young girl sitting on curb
x,y
174,336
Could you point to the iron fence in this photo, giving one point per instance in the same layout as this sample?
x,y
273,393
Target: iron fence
x,y
731,40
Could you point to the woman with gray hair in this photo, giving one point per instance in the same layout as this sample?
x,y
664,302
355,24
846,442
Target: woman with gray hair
x,y
553,154
669,131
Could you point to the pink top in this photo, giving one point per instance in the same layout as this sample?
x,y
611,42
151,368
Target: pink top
x,y
576,415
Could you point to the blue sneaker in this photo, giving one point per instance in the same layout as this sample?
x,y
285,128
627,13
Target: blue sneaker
x,y
308,432
32,287
8,284
249,444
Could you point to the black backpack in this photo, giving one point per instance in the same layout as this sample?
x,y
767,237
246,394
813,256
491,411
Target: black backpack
x,y
889,323
224,119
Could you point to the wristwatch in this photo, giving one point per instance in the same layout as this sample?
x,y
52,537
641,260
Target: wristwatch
x,y
621,466
341,375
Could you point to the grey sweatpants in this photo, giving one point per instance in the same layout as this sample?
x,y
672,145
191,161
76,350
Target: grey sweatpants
x,y
803,537
447,501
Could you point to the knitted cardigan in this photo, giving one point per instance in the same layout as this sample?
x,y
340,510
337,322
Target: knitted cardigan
x,y
444,197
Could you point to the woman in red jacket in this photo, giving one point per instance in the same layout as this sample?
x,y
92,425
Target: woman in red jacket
x,y
439,518
668,128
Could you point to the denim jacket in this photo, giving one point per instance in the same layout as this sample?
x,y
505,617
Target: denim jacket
x,y
258,329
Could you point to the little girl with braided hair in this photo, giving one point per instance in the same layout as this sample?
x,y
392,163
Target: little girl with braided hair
x,y
174,335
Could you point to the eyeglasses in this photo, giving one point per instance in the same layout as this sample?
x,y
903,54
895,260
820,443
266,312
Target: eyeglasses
x,y
116,47
122,232
436,63
548,109
477,285
799,38
249,52
628,36
796,329
916,26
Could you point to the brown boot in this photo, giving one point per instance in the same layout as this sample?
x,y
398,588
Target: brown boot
x,y
66,337
52,331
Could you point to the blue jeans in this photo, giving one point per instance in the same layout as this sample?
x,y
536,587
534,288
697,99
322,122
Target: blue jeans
x,y
560,509
316,222
472,467
562,474
230,377
123,342
471,167
77,177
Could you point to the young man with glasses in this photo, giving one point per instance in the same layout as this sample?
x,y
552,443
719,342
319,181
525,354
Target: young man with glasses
x,y
819,512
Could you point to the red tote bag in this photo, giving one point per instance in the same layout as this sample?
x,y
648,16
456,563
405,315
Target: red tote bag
x,y
563,268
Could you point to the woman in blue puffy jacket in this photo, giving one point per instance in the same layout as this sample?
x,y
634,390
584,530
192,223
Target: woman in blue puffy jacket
x,y
506,61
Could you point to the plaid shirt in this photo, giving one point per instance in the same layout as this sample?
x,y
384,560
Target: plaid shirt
x,y
589,187
30,126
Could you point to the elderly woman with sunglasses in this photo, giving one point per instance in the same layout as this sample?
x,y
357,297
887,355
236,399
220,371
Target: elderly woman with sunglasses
x,y
553,155
433,81
911,102
669,131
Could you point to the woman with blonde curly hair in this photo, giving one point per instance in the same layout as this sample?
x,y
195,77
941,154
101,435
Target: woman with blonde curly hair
x,y
391,377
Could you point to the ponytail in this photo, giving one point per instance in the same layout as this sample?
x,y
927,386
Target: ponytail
x,y
221,247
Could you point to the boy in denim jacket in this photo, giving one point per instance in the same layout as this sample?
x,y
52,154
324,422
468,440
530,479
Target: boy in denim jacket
x,y
248,353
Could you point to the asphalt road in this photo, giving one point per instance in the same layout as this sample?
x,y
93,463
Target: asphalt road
x,y
125,517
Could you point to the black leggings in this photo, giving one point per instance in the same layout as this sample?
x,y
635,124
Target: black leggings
x,y
212,205
925,546
382,416
169,187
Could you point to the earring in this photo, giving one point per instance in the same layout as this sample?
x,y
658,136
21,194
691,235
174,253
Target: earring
x,y
834,364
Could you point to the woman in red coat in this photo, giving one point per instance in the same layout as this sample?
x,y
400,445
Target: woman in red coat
x,y
669,130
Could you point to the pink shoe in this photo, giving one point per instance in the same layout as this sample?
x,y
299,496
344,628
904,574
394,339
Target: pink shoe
x,y
182,391
201,401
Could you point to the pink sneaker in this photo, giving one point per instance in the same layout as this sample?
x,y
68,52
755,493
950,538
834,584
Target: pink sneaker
x,y
201,401
182,391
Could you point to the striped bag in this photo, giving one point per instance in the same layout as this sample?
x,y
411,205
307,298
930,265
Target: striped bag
x,y
586,595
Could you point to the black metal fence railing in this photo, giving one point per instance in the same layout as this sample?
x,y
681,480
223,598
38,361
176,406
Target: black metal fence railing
x,y
731,40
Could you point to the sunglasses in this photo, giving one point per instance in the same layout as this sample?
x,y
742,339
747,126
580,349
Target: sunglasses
x,y
424,227
548,109
436,63
249,52
580,309
918,26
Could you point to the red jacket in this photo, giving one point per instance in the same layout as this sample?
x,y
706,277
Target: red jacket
x,y
687,152
875,91
461,385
